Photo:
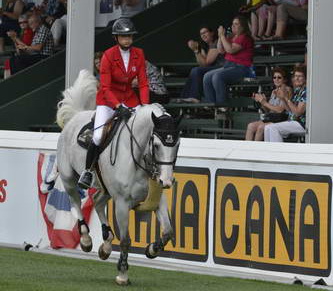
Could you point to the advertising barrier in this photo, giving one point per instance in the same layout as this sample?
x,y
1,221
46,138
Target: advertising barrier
x,y
254,207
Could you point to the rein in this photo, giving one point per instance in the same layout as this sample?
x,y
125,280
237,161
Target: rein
x,y
152,169
151,173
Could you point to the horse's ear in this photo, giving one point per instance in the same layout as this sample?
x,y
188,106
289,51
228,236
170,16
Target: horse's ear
x,y
154,118
178,119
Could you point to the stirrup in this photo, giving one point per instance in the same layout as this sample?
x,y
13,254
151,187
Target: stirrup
x,y
86,179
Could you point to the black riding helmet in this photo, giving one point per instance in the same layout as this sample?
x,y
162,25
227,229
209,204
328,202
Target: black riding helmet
x,y
123,26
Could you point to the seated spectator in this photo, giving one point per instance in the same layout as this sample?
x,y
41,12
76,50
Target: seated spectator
x,y
157,88
255,130
238,55
296,106
9,19
25,38
208,57
296,9
262,17
59,22
97,64
40,48
128,8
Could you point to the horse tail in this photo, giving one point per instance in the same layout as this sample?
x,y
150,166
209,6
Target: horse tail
x,y
81,96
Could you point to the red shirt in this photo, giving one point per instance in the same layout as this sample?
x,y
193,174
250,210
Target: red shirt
x,y
27,36
116,82
245,55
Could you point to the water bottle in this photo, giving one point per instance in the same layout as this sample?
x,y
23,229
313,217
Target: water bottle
x,y
229,32
252,73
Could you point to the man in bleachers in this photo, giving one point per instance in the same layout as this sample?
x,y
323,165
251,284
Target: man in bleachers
x,y
295,9
42,46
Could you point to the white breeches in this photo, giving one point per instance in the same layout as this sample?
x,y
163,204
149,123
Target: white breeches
x,y
275,132
103,114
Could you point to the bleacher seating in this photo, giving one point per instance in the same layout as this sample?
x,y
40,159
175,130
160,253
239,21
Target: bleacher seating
x,y
175,62
241,110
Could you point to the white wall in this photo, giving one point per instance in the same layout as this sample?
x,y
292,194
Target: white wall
x,y
320,65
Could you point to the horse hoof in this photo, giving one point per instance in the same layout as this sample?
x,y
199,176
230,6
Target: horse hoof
x,y
149,250
122,281
86,243
103,255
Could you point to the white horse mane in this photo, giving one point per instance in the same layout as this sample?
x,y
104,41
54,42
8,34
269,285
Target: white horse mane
x,y
79,97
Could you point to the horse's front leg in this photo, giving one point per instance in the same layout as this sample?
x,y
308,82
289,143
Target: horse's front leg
x,y
162,214
122,216
105,249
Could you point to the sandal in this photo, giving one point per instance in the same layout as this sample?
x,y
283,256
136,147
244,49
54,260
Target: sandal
x,y
257,37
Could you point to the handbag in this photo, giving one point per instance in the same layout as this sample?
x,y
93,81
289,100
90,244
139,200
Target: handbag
x,y
274,117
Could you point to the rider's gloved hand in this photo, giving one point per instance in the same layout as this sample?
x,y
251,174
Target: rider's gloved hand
x,y
134,109
124,112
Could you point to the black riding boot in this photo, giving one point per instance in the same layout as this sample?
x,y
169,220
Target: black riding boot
x,y
86,177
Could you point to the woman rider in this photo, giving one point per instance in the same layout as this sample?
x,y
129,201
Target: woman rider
x,y
119,66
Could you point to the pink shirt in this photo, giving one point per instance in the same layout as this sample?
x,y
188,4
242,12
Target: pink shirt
x,y
245,55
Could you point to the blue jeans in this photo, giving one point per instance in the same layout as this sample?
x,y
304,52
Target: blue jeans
x,y
214,82
193,87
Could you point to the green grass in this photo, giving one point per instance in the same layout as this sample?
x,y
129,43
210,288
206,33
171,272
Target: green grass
x,y
34,271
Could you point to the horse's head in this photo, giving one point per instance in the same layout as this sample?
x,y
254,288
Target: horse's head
x,y
165,144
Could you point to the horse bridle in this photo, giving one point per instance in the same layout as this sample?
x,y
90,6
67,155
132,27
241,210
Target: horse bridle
x,y
168,138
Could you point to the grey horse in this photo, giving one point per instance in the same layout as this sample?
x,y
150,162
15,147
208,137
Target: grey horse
x,y
144,150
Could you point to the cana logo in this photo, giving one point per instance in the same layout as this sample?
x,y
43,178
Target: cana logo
x,y
3,193
273,221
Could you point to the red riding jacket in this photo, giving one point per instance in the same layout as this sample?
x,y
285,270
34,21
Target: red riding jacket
x,y
116,83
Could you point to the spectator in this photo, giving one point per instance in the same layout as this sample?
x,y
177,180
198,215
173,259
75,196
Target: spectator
x,y
208,57
40,48
59,23
97,63
130,7
262,16
9,19
25,38
295,107
255,130
157,89
296,9
238,54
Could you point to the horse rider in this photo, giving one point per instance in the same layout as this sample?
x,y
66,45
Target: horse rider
x,y
119,66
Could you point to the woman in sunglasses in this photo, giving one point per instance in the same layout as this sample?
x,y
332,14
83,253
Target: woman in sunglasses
x,y
255,130
295,107
24,38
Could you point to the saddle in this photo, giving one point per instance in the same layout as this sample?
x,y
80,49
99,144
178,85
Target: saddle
x,y
86,133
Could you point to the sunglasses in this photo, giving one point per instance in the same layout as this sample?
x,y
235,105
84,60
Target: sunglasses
x,y
277,77
21,22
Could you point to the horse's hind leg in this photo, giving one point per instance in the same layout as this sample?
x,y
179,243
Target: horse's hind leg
x,y
122,215
74,196
105,249
162,214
